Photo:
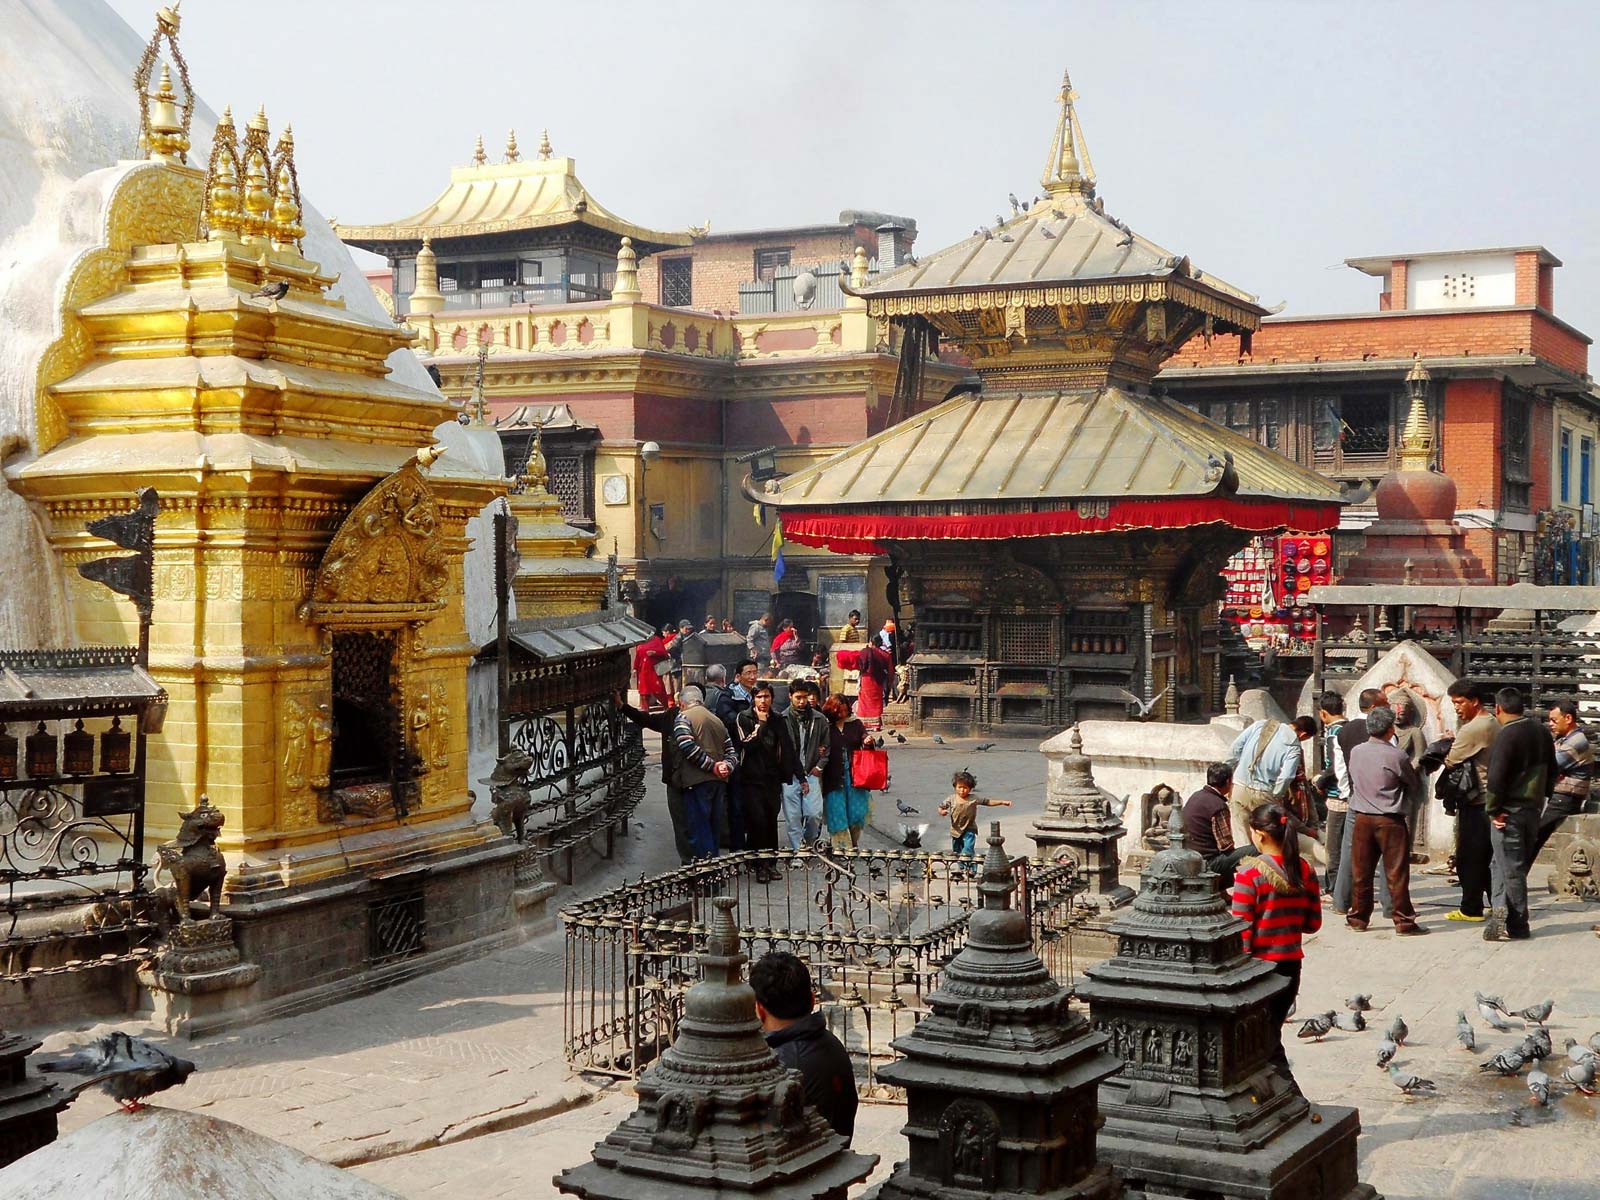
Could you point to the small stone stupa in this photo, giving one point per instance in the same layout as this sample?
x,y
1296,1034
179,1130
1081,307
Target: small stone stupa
x,y
1000,1080
1199,1107
1416,538
28,1103
718,1115
1080,821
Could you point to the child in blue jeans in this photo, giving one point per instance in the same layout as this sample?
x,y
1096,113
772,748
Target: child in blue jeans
x,y
962,809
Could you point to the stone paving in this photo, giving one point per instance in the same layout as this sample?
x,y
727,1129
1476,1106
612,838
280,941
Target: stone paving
x,y
454,1084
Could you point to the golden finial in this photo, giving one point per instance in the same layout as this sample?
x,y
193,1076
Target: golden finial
x,y
512,153
478,155
221,216
858,268
166,134
544,144
1416,440
167,19
256,223
286,227
626,284
426,296
170,142
536,474
478,417
1068,171
428,455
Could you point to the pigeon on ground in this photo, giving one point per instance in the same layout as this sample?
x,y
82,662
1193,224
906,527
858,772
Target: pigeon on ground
x,y
1576,1050
1318,1026
126,1068
1491,1001
899,737
1594,1042
1497,1017
904,809
1408,1083
1581,1076
1539,1084
1360,1002
274,289
937,740
982,746
1014,204
1350,1022
1507,1062
1537,1013
1397,1031
1464,1034
1386,1052
1536,1044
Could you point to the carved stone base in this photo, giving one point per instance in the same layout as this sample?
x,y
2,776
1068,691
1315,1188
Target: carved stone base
x,y
195,973
1574,856
1094,850
28,1103
532,889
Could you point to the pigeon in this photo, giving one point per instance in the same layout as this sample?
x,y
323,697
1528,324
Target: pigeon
x,y
1537,1013
126,1068
275,289
911,835
1577,1051
1397,1031
1594,1042
904,809
1145,707
1507,1062
1408,1083
1318,1026
982,746
1044,232
937,740
899,737
1386,1052
1497,1017
1350,1022
1015,206
1491,1001
1125,240
1464,1034
1539,1084
1360,1002
1536,1044
911,261
1581,1076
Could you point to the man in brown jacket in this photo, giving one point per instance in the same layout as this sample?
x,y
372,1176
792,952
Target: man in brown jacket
x,y
1475,733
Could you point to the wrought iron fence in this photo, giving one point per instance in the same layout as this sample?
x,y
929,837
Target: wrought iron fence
x,y
876,928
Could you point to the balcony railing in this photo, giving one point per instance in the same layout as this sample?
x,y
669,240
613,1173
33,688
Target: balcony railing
x,y
582,290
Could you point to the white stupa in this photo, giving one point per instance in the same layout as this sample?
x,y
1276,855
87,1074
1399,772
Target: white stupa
x,y
69,126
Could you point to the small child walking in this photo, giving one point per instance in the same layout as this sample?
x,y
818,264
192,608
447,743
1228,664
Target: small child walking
x,y
962,809
1275,894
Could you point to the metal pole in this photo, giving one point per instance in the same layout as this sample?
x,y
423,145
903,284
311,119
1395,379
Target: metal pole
x,y
502,591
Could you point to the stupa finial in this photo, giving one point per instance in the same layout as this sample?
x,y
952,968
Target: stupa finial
x,y
1068,171
512,153
479,157
1416,440
544,144
625,286
478,417
536,473
163,122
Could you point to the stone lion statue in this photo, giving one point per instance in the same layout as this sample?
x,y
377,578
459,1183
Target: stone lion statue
x,y
193,860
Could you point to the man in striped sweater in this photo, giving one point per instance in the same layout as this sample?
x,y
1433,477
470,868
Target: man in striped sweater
x,y
707,760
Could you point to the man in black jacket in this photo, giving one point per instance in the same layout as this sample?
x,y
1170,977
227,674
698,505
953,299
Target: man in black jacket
x,y
661,722
800,1038
1522,770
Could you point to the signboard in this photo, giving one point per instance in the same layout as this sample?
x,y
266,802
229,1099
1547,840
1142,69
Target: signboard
x,y
837,595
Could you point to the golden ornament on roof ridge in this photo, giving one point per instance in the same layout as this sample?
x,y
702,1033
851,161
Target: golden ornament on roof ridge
x,y
171,142
479,157
512,153
544,144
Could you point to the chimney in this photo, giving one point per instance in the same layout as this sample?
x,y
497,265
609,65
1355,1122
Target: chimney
x,y
891,246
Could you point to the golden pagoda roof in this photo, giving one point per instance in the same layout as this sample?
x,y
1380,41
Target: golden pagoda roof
x,y
1035,448
520,194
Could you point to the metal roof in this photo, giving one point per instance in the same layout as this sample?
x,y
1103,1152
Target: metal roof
x,y
1023,448
552,643
87,679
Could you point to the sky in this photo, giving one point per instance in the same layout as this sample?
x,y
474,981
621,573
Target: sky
x,y
1267,141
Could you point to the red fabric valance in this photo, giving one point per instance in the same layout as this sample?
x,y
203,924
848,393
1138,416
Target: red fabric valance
x,y
865,533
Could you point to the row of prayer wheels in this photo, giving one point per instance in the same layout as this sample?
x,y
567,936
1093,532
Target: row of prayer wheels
x,y
47,756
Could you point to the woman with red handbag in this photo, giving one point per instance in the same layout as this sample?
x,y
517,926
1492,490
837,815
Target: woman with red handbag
x,y
845,804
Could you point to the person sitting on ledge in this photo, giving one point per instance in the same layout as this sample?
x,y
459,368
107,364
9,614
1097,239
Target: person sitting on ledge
x,y
801,1040
1208,827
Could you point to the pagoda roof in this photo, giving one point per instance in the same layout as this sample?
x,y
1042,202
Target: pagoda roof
x,y
1028,449
513,196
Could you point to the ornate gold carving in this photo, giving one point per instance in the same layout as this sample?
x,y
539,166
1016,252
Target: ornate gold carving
x,y
388,552
421,731
441,727
165,133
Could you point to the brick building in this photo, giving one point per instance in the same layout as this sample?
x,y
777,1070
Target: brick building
x,y
1510,391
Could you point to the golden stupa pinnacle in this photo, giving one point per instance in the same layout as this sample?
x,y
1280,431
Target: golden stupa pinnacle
x,y
163,122
544,144
1068,171
1416,439
479,157
512,153
536,474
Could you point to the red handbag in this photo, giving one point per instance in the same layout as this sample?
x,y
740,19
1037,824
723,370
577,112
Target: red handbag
x,y
869,769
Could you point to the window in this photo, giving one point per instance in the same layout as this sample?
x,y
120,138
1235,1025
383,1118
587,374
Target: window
x,y
1585,468
1565,465
677,282
1516,454
768,261
1364,423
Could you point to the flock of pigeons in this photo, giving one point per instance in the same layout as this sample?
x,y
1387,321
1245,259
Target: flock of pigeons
x,y
1583,1060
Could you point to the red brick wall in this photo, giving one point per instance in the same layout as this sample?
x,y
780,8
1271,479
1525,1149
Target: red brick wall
x,y
1398,276
1541,450
1471,451
721,266
1527,279
1336,339
1547,287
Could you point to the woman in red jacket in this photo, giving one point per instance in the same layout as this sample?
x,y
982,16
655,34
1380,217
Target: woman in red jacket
x,y
652,688
1275,894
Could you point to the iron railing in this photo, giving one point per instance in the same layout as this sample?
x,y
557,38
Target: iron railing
x,y
876,928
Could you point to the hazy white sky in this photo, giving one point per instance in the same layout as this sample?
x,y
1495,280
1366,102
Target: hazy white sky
x,y
1268,141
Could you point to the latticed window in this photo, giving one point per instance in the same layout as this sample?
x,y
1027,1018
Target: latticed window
x,y
1023,639
567,485
677,282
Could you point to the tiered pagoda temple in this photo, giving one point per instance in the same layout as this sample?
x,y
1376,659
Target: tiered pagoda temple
x,y
1056,536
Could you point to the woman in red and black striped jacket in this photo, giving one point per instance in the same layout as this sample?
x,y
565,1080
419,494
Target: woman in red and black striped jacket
x,y
1275,894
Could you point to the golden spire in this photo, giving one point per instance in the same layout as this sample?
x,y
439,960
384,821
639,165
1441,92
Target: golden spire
x,y
1416,440
170,142
426,296
626,284
512,153
222,182
1068,171
544,144
286,227
858,268
256,224
478,155
536,474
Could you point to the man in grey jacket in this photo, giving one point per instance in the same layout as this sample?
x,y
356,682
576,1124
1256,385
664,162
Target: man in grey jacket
x,y
1381,781
802,795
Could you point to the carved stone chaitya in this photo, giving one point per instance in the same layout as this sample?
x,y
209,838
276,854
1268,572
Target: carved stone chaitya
x,y
1000,1079
1080,823
28,1103
718,1114
1574,855
1199,1107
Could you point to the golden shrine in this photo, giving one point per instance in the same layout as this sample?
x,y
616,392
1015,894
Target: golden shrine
x,y
1057,530
309,610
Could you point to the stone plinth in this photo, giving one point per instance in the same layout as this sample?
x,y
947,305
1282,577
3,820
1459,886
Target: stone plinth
x,y
1415,538
1573,853
28,1103
1082,822
1199,1107
1000,1079
718,1115
197,975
